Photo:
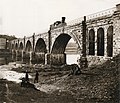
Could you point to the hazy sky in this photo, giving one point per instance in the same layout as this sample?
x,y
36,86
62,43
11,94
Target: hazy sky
x,y
24,17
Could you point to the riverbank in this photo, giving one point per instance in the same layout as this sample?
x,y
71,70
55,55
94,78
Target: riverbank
x,y
98,84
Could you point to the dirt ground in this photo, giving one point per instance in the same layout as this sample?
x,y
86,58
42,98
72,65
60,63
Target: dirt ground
x,y
98,84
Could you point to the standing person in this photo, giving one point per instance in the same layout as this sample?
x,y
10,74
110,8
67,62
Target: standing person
x,y
36,77
26,77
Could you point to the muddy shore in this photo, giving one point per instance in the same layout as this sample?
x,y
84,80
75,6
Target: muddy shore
x,y
98,84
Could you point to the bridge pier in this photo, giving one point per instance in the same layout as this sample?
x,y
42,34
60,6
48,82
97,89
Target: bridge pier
x,y
33,57
83,62
38,58
13,55
56,59
19,55
33,60
26,57
48,58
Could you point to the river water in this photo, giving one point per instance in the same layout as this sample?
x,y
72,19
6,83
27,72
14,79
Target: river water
x,y
72,58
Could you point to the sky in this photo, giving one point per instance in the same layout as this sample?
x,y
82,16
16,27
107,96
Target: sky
x,y
25,17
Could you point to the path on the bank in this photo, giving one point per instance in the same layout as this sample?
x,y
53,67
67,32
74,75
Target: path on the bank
x,y
7,74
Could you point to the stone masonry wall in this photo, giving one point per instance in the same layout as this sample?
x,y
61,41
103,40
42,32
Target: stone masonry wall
x,y
96,60
116,36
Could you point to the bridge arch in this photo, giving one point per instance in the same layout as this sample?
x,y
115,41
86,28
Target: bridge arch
x,y
28,47
60,43
100,42
58,56
40,46
91,42
110,41
21,46
12,46
16,46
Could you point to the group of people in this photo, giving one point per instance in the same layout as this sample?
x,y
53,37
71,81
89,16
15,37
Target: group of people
x,y
75,70
25,80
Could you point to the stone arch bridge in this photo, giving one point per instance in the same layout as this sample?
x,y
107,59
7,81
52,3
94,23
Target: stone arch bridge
x,y
101,41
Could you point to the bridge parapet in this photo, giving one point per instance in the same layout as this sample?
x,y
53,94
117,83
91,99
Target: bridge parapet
x,y
75,21
108,12
43,35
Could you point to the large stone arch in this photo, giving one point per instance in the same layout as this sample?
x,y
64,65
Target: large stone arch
x,y
28,47
40,46
60,43
91,42
40,49
100,42
58,56
27,52
110,41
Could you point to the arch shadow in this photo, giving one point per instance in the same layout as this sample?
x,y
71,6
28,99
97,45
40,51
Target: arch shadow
x,y
60,43
21,46
110,41
40,46
100,42
91,42
28,47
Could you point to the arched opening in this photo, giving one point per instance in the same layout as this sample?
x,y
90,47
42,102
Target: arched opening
x,y
19,53
40,49
100,42
28,46
21,46
91,42
58,56
14,55
16,46
60,44
40,46
110,41
71,51
12,46
27,53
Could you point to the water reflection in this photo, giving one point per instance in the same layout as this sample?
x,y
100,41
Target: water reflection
x,y
72,58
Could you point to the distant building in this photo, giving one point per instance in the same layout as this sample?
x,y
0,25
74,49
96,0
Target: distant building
x,y
4,50
2,43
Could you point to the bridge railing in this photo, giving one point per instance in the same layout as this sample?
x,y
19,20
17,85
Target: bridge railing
x,y
43,31
107,12
75,21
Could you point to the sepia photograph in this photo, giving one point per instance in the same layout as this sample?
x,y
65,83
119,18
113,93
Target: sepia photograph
x,y
59,51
